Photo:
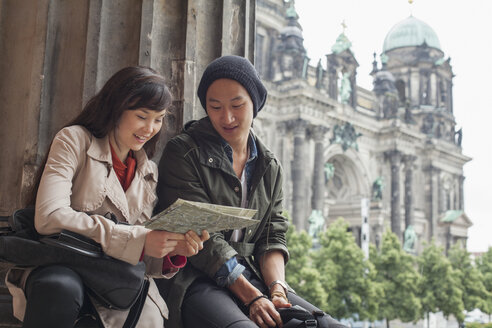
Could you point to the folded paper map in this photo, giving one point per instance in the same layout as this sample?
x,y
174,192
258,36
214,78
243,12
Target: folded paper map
x,y
185,215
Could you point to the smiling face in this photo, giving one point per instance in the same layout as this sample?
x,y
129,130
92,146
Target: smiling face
x,y
134,129
230,109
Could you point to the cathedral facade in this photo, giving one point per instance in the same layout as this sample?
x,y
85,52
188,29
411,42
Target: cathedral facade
x,y
390,156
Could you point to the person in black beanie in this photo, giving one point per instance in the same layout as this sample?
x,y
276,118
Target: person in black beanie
x,y
238,279
238,69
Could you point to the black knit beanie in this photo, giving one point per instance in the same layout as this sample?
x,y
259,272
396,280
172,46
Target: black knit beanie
x,y
238,69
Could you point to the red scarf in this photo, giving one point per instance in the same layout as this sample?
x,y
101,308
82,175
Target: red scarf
x,y
125,173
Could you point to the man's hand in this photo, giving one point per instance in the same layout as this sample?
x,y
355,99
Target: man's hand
x,y
278,297
280,302
263,313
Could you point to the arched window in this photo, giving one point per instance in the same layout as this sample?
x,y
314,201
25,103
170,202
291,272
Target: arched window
x,y
400,86
443,91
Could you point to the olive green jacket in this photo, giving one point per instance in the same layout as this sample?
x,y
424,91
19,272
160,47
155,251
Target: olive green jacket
x,y
194,166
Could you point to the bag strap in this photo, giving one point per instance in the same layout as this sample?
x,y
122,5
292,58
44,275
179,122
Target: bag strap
x,y
22,223
136,309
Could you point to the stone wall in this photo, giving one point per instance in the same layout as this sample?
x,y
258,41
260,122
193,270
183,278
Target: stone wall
x,y
55,54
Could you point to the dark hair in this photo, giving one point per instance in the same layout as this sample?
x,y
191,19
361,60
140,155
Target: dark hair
x,y
130,88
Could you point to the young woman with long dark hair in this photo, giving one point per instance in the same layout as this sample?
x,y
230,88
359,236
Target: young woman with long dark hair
x,y
100,163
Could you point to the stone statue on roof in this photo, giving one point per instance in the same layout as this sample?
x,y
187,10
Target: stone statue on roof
x,y
345,88
410,240
459,136
377,189
316,223
346,136
329,169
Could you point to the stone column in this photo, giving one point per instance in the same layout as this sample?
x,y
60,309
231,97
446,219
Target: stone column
x,y
333,83
409,166
318,133
395,156
442,195
434,199
414,87
433,89
353,84
298,182
282,153
331,67
461,204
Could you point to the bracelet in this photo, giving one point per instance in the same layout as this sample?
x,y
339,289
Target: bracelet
x,y
279,282
279,294
254,300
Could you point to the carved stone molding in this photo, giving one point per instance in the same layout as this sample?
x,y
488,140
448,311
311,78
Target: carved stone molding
x,y
298,127
318,132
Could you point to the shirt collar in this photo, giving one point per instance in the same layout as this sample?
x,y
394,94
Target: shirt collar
x,y
253,151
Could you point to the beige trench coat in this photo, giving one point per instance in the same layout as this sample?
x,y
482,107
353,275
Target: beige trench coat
x,y
77,188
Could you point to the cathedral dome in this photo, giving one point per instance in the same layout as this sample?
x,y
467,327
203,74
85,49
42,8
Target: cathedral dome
x,y
409,33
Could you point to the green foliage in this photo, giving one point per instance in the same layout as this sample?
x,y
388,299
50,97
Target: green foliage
x,y
336,277
346,276
484,265
299,244
439,288
470,278
478,325
399,280
310,287
299,273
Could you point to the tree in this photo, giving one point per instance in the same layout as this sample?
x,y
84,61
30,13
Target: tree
x,y
299,272
439,287
484,265
475,295
399,280
347,277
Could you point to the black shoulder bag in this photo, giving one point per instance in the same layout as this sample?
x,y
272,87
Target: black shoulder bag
x,y
116,284
298,317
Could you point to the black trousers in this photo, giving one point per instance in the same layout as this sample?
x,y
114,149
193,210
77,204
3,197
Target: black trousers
x,y
208,305
56,298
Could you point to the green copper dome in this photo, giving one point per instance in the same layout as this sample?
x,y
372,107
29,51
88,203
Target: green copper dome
x,y
411,32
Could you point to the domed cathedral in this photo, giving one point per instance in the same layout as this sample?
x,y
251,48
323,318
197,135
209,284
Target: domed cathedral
x,y
390,157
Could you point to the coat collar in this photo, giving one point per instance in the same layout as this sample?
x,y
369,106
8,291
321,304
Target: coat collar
x,y
100,150
211,151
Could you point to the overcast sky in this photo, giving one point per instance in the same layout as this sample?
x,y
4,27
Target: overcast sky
x,y
464,29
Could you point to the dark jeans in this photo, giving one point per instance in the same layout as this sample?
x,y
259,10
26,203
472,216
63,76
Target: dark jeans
x,y
56,298
208,305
